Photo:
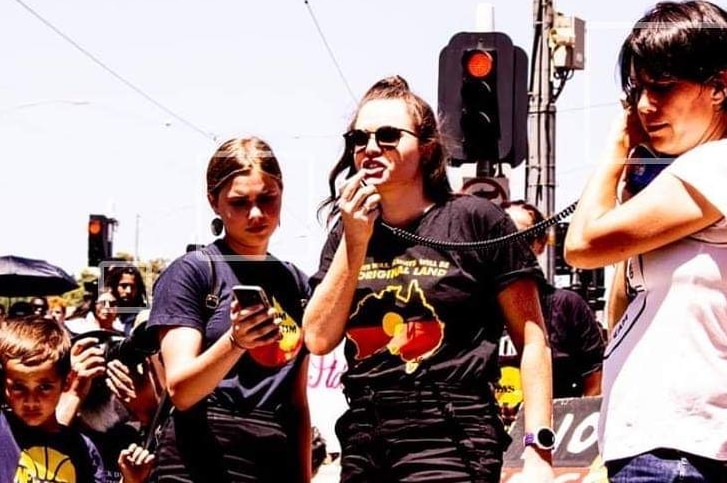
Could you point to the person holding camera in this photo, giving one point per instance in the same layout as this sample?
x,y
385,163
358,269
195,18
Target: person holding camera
x,y
664,410
236,370
113,395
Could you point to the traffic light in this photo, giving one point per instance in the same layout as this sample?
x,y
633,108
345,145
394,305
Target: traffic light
x,y
480,120
100,238
483,99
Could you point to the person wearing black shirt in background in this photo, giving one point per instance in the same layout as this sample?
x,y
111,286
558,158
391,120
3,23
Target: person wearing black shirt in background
x,y
576,340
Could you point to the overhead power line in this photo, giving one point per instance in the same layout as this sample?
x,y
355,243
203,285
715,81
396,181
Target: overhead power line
x,y
330,51
117,76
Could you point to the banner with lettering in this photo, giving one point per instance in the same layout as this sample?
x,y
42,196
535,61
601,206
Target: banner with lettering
x,y
575,457
325,394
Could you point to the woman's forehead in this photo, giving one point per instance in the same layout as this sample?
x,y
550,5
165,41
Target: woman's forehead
x,y
384,112
254,180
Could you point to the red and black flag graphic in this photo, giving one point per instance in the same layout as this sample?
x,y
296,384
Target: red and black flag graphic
x,y
404,324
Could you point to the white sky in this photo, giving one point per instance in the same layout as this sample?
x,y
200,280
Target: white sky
x,y
75,140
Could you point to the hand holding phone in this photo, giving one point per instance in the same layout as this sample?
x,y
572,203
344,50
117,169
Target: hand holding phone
x,y
256,328
644,165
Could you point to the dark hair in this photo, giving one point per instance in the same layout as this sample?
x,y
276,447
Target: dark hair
x,y
676,40
20,309
433,156
535,215
39,301
114,276
241,156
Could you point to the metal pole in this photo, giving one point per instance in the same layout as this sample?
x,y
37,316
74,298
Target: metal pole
x,y
136,237
540,167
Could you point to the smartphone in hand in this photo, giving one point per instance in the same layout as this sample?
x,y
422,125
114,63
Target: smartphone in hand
x,y
250,295
645,164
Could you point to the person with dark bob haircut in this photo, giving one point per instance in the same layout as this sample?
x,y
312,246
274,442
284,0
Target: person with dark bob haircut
x,y
664,409
421,324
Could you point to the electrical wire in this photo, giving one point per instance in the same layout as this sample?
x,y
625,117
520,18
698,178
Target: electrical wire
x,y
483,244
117,76
330,51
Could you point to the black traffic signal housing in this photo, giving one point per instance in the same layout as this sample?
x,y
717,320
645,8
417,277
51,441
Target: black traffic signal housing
x,y
100,239
483,99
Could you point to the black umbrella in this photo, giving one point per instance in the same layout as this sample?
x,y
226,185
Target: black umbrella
x,y
21,277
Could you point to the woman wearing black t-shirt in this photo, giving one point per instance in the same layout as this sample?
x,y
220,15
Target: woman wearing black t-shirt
x,y
235,374
422,325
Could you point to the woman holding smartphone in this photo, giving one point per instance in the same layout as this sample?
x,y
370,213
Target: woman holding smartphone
x,y
236,371
664,410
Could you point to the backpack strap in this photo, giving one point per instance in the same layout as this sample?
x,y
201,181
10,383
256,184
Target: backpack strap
x,y
165,407
212,299
164,410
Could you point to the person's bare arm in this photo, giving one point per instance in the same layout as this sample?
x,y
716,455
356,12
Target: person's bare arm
x,y
191,373
87,363
326,314
603,232
520,305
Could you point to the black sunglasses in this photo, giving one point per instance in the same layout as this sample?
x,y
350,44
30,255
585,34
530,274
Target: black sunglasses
x,y
385,136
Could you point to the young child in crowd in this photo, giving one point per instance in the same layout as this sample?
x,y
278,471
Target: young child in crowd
x,y
35,358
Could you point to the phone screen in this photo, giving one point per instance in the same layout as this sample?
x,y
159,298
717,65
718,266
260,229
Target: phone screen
x,y
249,295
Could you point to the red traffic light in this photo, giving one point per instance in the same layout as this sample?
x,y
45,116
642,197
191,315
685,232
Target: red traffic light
x,y
478,63
100,234
95,226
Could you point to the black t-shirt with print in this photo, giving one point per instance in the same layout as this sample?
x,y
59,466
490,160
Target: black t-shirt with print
x,y
428,314
262,378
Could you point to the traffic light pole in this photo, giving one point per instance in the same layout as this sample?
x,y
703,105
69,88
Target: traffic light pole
x,y
540,167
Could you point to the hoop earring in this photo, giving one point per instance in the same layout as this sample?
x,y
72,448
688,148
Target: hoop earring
x,y
216,226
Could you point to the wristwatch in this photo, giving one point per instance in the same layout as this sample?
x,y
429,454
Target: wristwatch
x,y
542,438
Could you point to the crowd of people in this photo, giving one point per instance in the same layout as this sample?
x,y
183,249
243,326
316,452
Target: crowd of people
x,y
74,410
207,380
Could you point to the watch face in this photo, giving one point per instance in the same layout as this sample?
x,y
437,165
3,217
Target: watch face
x,y
545,438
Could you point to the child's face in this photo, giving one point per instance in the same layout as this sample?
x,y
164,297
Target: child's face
x,y
32,392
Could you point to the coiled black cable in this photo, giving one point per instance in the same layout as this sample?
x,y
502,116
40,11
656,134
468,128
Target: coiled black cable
x,y
534,230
